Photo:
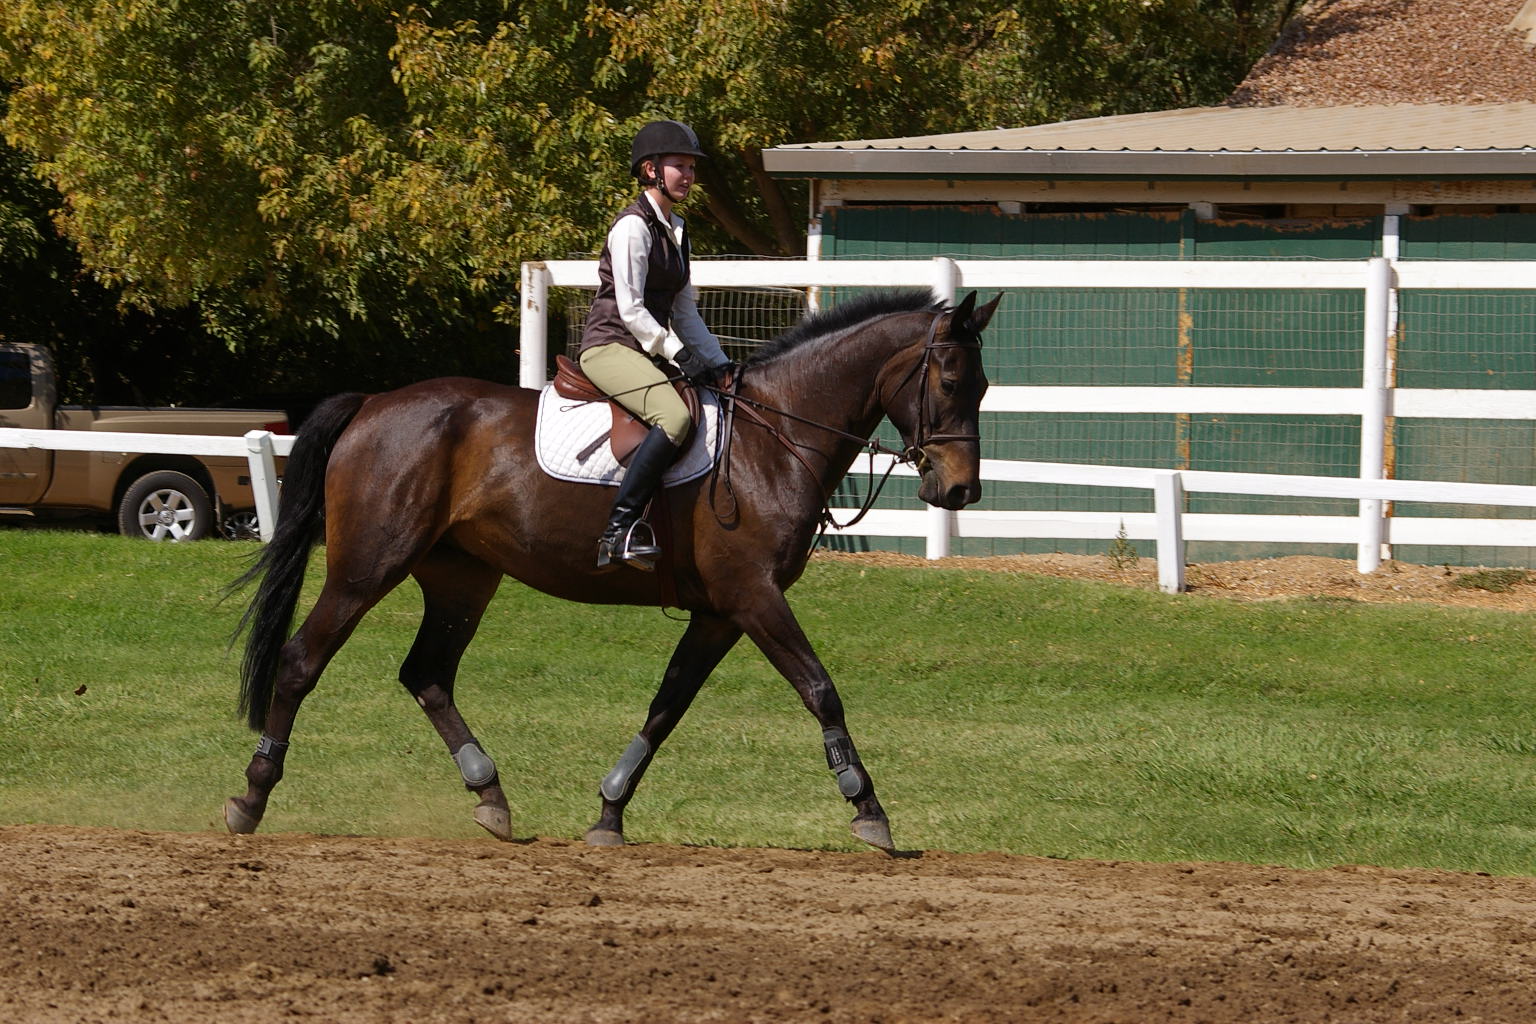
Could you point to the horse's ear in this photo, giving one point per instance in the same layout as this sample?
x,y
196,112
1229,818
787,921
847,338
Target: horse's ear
x,y
974,322
963,310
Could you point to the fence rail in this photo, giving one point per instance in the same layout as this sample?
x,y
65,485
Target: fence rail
x,y
1170,527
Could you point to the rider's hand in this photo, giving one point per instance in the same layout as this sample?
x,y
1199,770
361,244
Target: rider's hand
x,y
698,371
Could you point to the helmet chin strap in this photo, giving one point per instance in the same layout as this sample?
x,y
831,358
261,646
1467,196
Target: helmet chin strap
x,y
658,181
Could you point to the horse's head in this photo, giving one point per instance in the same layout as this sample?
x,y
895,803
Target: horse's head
x,y
937,407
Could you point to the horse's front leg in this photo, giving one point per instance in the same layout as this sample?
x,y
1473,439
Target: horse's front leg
x,y
773,627
706,641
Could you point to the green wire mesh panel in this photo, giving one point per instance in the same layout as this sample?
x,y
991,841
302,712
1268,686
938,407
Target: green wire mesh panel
x,y
1479,339
1469,451
1467,339
1289,339
742,318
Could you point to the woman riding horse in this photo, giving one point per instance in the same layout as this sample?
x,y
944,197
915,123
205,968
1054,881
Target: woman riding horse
x,y
645,312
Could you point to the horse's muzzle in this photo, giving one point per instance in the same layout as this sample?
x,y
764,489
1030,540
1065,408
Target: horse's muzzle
x,y
942,490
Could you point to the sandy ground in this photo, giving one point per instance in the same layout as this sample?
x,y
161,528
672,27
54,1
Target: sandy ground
x,y
104,925
98,925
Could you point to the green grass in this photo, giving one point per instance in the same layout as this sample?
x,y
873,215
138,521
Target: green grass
x,y
996,712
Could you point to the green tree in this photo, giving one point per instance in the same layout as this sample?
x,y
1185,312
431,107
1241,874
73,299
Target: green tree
x,y
751,74
107,354
343,190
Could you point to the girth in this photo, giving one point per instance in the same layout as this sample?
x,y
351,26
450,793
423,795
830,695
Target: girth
x,y
627,431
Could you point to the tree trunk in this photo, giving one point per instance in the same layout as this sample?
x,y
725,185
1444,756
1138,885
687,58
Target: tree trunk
x,y
725,212
785,228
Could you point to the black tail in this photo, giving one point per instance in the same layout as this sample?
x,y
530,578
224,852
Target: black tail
x,y
283,561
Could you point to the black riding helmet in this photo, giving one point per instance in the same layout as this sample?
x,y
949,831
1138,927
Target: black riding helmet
x,y
660,138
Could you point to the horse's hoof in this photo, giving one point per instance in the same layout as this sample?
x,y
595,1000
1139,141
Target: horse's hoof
x,y
875,832
495,820
604,837
236,820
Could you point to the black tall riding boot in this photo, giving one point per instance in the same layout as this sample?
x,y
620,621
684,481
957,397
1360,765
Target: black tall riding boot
x,y
619,541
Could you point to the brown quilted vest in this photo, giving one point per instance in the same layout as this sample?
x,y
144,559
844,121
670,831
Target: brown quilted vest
x,y
666,275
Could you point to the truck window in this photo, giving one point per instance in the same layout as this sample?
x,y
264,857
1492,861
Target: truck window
x,y
15,380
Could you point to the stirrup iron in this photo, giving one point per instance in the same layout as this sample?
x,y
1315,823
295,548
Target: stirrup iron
x,y
636,547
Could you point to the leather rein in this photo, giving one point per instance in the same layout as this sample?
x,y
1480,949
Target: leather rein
x,y
733,401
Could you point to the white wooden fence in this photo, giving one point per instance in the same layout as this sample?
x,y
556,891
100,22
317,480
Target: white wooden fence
x,y
1374,401
1168,525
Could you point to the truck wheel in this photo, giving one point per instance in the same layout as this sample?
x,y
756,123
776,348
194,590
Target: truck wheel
x,y
165,505
241,526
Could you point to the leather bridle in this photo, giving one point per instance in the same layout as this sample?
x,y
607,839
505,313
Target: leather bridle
x,y
732,401
924,435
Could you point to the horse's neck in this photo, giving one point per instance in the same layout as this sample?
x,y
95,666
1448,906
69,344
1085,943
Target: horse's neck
x,y
833,383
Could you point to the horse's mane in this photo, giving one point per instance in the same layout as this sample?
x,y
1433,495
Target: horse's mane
x,y
845,315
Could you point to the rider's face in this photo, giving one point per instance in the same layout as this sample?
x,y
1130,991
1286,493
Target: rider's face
x,y
675,172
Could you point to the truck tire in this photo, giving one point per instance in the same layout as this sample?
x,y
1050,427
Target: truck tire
x,y
165,505
241,526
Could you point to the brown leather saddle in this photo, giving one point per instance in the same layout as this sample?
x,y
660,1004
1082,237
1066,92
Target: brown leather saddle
x,y
627,432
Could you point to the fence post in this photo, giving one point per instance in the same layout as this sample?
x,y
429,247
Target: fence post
x,y
533,327
263,460
941,521
1374,408
1168,504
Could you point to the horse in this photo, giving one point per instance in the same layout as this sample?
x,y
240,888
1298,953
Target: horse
x,y
438,481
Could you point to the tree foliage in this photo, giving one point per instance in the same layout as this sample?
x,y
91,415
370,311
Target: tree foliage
x,y
347,187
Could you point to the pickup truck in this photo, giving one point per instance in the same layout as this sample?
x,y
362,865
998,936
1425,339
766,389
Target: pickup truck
x,y
159,497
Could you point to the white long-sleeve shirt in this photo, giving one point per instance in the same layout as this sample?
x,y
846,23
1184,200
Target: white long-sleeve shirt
x,y
629,248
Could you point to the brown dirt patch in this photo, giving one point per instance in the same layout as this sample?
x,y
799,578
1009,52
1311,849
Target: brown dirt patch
x,y
101,924
1265,579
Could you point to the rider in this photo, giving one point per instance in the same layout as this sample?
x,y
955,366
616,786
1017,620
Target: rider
x,y
645,313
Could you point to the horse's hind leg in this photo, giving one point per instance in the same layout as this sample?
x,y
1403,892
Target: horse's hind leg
x,y
706,641
456,589
336,614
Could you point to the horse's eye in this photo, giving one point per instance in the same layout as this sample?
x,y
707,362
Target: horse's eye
x,y
949,385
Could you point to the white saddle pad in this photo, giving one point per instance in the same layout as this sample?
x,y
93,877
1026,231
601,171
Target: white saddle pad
x,y
571,440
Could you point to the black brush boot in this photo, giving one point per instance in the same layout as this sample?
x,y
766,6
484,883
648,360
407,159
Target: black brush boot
x,y
621,540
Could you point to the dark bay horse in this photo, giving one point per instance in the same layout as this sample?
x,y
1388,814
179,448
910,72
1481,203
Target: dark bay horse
x,y
439,481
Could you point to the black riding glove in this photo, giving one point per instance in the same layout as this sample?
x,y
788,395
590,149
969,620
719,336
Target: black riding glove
x,y
697,370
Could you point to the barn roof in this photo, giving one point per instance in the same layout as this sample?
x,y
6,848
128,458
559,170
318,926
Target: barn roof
x,y
1495,139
